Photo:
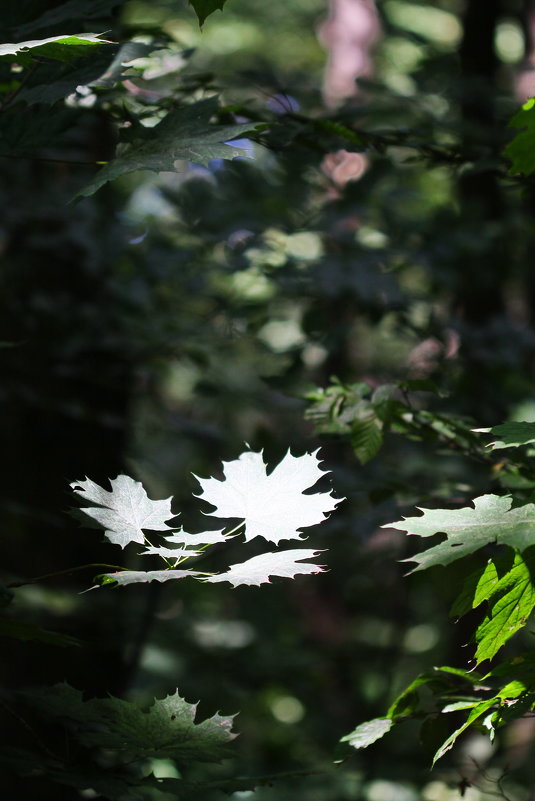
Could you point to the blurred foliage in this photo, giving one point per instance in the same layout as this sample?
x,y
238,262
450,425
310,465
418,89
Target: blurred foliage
x,y
367,267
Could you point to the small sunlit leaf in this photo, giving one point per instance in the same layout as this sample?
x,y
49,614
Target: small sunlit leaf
x,y
367,733
257,571
123,577
126,511
181,537
58,48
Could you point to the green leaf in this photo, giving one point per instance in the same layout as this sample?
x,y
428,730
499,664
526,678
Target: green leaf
x,y
125,511
71,11
440,680
21,630
477,587
511,601
256,571
366,437
58,48
55,81
167,730
184,135
367,733
477,712
512,435
203,8
521,149
491,520
272,506
27,130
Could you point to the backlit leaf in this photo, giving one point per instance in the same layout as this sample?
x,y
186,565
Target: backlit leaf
x,y
510,602
123,577
58,48
273,506
367,733
490,520
256,571
125,511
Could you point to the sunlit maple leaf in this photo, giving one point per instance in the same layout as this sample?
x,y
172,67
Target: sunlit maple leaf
x,y
126,511
273,506
256,571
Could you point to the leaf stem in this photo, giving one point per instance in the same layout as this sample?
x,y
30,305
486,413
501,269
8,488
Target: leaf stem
x,y
236,528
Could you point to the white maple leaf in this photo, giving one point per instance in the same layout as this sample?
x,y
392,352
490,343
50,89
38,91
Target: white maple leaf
x,y
123,577
256,571
181,537
125,511
184,539
273,506
168,553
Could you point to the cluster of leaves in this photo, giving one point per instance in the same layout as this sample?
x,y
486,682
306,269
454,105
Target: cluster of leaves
x,y
272,506
365,415
49,82
502,586
116,741
111,744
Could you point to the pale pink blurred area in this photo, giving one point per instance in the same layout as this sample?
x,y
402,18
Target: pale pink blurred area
x,y
343,166
525,78
348,34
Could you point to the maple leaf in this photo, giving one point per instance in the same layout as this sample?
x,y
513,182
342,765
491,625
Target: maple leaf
x,y
273,506
490,520
125,511
123,577
256,571
185,134
167,730
181,537
512,435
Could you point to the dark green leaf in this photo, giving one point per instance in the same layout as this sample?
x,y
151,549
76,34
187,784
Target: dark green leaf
x,y
184,135
477,712
165,731
203,8
521,149
71,11
366,437
512,435
20,630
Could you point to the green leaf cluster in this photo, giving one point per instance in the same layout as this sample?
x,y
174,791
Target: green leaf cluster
x,y
501,589
116,740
